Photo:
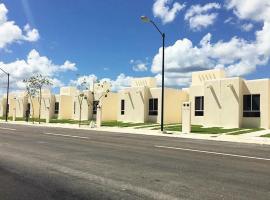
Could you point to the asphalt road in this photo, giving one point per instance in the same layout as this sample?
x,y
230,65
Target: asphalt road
x,y
53,163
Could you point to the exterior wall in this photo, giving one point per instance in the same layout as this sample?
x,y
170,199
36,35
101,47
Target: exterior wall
x,y
86,109
172,105
12,104
137,103
66,102
198,78
136,99
195,90
47,102
109,107
261,87
223,101
3,107
66,110
20,102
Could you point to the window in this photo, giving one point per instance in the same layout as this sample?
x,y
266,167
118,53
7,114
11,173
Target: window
x,y
122,107
199,106
251,105
28,107
56,108
95,104
74,108
153,106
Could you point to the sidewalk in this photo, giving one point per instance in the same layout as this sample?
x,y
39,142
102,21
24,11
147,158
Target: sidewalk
x,y
252,138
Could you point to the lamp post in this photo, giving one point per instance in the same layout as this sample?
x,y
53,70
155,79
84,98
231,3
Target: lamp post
x,y
7,93
147,20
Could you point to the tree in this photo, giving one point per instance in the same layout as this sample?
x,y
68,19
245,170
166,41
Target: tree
x,y
100,91
34,85
31,93
82,96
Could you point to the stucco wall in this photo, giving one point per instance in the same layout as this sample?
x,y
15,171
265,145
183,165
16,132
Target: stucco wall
x,y
110,107
135,104
66,110
196,90
261,87
86,107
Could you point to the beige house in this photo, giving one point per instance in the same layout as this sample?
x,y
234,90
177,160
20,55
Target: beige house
x,y
91,101
217,101
142,102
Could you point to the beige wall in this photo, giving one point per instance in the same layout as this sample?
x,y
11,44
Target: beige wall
x,y
137,103
86,107
261,87
196,90
223,102
66,104
109,107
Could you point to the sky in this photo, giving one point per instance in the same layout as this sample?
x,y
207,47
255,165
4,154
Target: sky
x,y
70,40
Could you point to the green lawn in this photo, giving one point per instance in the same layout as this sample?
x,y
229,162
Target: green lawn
x,y
121,124
69,121
246,131
267,135
202,130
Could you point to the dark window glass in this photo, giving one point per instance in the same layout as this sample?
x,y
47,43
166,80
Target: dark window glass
x,y
247,102
199,106
153,106
56,108
256,102
95,104
122,107
29,106
251,105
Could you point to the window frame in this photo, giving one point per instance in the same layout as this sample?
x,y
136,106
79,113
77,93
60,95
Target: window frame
x,y
95,104
153,107
56,111
122,107
199,112
248,110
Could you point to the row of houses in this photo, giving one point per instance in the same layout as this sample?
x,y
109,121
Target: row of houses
x,y
216,101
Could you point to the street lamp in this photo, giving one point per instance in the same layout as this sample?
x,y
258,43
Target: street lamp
x,y
147,20
7,93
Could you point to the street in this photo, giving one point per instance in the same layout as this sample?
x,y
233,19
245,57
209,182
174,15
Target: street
x,y
58,163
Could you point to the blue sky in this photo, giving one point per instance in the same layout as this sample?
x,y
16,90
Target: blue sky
x,y
107,38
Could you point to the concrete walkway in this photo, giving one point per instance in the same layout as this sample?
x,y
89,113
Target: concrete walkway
x,y
253,137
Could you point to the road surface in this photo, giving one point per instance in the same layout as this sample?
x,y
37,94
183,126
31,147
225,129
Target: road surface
x,y
68,164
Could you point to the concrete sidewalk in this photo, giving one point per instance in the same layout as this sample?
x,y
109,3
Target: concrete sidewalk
x,y
253,137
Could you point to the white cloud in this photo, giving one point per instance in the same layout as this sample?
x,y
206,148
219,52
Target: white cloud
x,y
35,64
31,35
139,66
237,56
89,79
162,10
10,32
121,81
247,27
258,10
200,17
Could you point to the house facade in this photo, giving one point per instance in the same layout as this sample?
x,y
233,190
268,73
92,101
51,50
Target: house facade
x,y
217,101
141,102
